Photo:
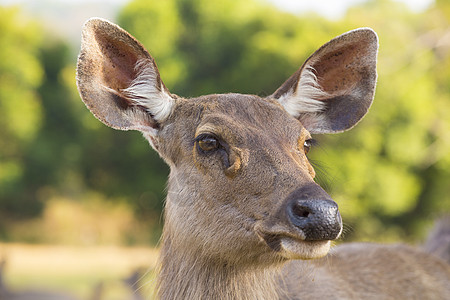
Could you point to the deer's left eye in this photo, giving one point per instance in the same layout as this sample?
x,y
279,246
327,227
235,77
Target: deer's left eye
x,y
307,145
207,143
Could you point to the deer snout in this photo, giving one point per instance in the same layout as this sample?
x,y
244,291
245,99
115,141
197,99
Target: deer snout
x,y
318,219
303,225
312,211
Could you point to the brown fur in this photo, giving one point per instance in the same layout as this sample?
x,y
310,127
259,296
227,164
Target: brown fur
x,y
228,233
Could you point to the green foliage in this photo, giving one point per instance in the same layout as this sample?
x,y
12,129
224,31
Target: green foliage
x,y
219,47
20,108
52,147
390,174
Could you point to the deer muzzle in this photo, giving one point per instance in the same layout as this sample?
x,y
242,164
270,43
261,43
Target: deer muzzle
x,y
312,211
303,225
318,219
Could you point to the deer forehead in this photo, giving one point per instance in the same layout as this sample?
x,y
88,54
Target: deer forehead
x,y
237,118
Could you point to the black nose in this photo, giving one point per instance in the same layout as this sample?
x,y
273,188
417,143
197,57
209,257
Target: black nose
x,y
318,219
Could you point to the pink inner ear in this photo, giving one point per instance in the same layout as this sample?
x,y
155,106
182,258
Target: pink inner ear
x,y
106,66
339,71
118,63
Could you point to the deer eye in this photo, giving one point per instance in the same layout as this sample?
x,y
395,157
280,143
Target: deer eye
x,y
307,145
207,143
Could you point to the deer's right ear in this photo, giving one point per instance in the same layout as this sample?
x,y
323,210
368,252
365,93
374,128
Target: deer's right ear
x,y
334,88
118,79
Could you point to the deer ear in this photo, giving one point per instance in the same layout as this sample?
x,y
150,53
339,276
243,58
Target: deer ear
x,y
334,88
118,79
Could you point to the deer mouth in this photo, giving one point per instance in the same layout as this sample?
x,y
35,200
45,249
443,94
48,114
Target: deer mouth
x,y
293,249
291,246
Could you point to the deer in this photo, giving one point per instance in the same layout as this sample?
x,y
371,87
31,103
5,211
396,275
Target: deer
x,y
244,217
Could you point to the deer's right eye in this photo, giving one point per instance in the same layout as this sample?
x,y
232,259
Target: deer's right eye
x,y
207,143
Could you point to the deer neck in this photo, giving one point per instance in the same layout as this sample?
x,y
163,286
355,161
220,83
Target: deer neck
x,y
185,275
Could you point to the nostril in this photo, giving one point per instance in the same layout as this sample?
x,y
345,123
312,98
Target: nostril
x,y
300,210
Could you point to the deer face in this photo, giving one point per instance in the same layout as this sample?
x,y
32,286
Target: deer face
x,y
241,188
236,160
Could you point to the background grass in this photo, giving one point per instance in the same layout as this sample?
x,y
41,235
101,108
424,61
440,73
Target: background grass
x,y
79,270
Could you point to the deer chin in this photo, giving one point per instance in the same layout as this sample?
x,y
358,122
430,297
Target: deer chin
x,y
295,249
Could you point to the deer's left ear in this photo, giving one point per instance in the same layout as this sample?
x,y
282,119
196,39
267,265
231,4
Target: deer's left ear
x,y
334,88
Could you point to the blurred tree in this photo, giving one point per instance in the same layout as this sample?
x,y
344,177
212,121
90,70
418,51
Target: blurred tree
x,y
21,112
225,46
49,143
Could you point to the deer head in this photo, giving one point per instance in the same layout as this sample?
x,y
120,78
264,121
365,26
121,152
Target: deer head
x,y
241,188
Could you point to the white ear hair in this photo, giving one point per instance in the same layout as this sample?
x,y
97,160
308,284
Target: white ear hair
x,y
147,91
306,97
